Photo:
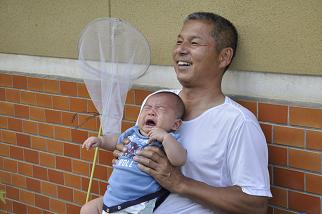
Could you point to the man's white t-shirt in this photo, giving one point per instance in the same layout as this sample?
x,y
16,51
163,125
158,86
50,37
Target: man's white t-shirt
x,y
225,147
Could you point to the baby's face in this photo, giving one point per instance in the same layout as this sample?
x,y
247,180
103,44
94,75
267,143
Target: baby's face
x,y
158,111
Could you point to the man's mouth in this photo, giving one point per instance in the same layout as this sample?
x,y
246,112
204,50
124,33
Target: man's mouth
x,y
183,63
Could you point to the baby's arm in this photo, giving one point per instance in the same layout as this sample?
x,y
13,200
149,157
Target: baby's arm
x,y
176,154
104,142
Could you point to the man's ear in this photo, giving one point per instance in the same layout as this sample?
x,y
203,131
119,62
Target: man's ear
x,y
176,124
225,57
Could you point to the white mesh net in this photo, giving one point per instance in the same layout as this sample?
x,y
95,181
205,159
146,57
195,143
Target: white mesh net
x,y
112,53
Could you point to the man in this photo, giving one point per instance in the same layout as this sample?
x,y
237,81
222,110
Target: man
x,y
226,169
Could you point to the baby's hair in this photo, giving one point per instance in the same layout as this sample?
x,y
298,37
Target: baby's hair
x,y
180,108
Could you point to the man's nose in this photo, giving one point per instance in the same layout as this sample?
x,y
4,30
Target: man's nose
x,y
182,48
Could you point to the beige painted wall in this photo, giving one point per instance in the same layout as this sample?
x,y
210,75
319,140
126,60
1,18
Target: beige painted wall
x,y
275,36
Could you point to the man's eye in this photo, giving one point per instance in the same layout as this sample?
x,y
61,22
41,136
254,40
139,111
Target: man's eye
x,y
179,42
194,43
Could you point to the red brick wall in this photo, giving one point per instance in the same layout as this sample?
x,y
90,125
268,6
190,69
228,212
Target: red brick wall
x,y
44,170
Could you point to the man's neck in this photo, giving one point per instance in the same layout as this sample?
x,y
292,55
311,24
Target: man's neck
x,y
199,100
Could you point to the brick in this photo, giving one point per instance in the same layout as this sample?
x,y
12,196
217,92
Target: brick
x,y
5,150
303,202
40,172
80,167
21,111
34,210
72,150
126,125
279,197
33,184
35,84
65,193
2,94
6,80
82,90
30,127
56,176
68,88
288,136
3,122
12,192
307,117
94,188
100,172
130,97
314,140
62,133
267,130
46,130
79,197
51,86
27,97
15,124
91,107
18,180
272,113
72,180
88,122
7,108
10,165
314,183
47,160
78,105
88,155
63,163
16,153
49,189
56,147
79,136
42,201
250,105
53,116
69,119
25,169
61,103
72,208
131,112
57,206
38,143
140,95
281,211
105,157
19,208
5,177
12,95
19,82
102,187
44,100
23,140
305,160
31,156
37,114
9,137
282,178
27,197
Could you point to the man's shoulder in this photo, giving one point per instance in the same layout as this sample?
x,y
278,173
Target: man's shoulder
x,y
238,110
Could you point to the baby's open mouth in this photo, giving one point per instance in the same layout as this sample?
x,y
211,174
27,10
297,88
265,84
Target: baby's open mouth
x,y
150,123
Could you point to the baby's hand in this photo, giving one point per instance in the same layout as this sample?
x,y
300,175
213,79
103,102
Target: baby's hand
x,y
92,142
157,134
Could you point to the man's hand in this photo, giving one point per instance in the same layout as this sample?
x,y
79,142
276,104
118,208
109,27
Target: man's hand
x,y
92,142
154,162
120,149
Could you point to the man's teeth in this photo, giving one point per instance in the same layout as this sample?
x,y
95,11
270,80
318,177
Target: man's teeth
x,y
183,63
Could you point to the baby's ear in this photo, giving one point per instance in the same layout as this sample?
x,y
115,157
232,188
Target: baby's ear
x,y
177,124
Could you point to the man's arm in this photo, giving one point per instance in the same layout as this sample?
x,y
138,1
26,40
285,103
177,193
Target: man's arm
x,y
229,199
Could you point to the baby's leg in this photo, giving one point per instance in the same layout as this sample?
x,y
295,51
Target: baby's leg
x,y
93,206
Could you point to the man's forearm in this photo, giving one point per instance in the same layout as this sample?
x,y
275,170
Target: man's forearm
x,y
227,199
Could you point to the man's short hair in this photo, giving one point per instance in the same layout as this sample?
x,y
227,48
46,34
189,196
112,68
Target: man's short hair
x,y
224,32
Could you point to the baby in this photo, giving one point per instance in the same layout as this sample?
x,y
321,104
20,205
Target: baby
x,y
130,190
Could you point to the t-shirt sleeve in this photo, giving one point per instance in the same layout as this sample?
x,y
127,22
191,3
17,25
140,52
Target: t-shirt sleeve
x,y
247,159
